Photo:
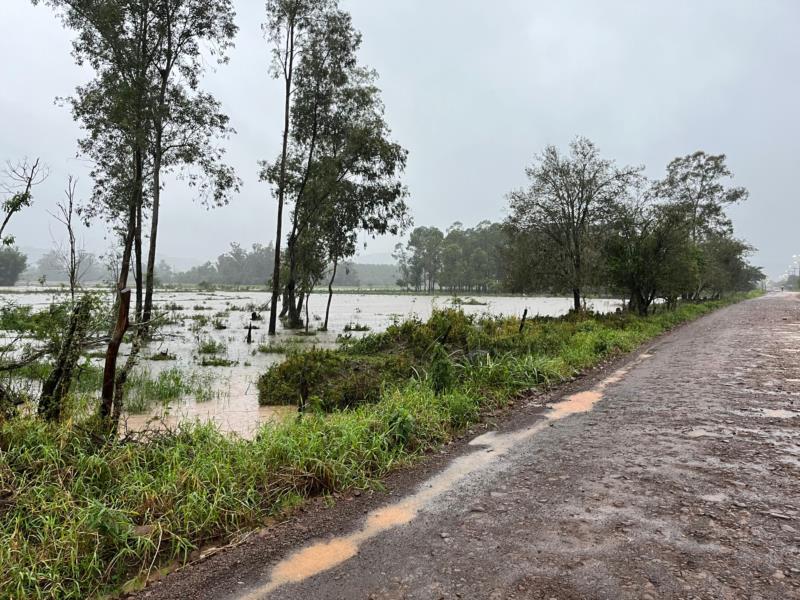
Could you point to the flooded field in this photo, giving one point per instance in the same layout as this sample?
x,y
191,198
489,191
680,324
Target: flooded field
x,y
206,339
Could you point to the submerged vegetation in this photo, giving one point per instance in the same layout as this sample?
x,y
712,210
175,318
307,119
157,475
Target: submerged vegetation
x,y
81,516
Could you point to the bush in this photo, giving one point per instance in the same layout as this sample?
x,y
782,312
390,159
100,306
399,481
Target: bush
x,y
334,380
12,264
442,374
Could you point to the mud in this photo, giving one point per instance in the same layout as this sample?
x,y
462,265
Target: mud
x,y
676,476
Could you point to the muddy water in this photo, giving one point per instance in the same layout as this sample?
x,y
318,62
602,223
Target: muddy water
x,y
233,403
325,555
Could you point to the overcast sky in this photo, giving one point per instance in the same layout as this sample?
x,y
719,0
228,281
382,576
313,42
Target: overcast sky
x,y
473,89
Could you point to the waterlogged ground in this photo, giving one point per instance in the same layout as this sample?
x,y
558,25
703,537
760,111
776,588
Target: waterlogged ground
x,y
199,322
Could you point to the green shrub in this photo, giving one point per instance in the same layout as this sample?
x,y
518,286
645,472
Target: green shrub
x,y
335,379
442,373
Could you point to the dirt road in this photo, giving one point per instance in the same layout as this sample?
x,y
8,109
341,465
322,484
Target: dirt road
x,y
673,474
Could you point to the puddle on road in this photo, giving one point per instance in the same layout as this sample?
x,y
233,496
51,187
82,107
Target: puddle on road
x,y
769,413
718,497
325,555
780,413
315,559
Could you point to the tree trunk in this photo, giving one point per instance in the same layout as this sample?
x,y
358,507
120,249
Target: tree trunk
x,y
110,370
124,294
308,295
295,321
138,266
122,378
57,385
576,299
151,254
294,310
276,272
330,295
284,305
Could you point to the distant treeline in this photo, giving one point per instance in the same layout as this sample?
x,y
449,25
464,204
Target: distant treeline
x,y
238,266
253,266
586,225
460,260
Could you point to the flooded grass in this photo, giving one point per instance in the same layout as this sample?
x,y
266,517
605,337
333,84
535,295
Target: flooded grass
x,y
146,390
211,346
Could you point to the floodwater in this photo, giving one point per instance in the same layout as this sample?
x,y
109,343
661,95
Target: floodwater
x,y
233,402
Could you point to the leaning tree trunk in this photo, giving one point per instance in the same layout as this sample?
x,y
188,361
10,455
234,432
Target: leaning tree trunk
x,y
330,296
122,378
151,254
58,382
110,370
123,300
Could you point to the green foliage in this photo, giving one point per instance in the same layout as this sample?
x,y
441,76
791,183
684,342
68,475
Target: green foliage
x,y
217,361
211,346
276,348
236,267
144,391
12,264
330,379
460,260
565,207
452,350
442,372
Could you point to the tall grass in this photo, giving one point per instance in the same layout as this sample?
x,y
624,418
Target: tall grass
x,y
80,517
144,391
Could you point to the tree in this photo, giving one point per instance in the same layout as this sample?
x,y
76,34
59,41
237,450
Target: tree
x,y
75,261
12,264
186,123
424,246
286,27
17,186
648,253
568,199
342,170
695,184
723,265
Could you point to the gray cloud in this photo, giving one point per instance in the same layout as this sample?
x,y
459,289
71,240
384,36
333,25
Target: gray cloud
x,y
473,89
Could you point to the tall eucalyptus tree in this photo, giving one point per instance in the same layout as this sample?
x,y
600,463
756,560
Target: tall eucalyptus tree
x,y
286,28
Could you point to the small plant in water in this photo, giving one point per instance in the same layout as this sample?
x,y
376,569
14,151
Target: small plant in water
x,y
356,327
217,361
273,348
210,346
164,355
